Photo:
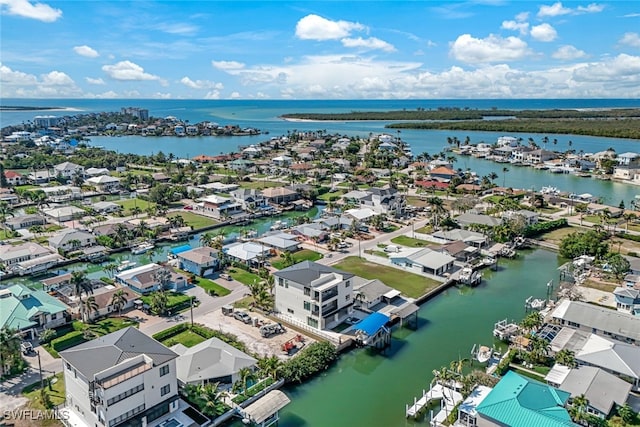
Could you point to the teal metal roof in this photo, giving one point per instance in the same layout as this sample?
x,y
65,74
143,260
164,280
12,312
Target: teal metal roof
x,y
17,310
518,401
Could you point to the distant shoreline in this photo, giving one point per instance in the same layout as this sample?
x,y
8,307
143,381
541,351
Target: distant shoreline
x,y
31,108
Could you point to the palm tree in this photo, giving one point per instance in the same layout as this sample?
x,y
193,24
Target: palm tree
x,y
211,399
9,348
4,211
159,301
437,209
80,284
246,375
270,366
163,277
504,175
578,409
532,321
89,305
110,269
135,211
141,229
567,358
119,300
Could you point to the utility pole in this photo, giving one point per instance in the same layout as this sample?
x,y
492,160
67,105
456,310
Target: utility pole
x,y
359,250
192,311
40,369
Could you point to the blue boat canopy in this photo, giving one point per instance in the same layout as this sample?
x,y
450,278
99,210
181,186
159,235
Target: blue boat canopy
x,y
179,249
371,324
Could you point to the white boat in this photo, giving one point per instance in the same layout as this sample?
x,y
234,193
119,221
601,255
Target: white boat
x,y
469,276
549,190
278,225
484,354
126,265
142,248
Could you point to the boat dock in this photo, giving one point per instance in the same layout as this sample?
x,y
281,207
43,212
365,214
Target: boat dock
x,y
504,330
449,397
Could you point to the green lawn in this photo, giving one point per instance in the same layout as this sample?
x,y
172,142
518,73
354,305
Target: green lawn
x,y
72,335
187,338
260,184
174,299
243,276
56,393
410,242
427,229
410,284
208,285
302,255
128,204
194,220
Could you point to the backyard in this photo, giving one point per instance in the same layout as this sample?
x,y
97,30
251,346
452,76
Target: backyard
x,y
410,284
194,220
243,276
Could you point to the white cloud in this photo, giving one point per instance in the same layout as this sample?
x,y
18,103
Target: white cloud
x,y
160,95
200,84
491,49
39,11
107,95
227,65
630,39
620,69
544,32
17,84
235,95
522,16
86,51
522,27
182,29
57,78
567,53
314,27
370,43
214,94
127,70
92,81
557,9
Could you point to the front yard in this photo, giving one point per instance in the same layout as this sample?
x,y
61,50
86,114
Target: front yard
x,y
54,396
410,242
211,287
243,276
301,255
410,284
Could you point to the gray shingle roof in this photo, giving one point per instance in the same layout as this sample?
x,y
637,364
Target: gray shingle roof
x,y
306,272
601,388
107,351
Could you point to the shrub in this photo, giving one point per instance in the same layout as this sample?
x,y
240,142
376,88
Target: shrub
x,y
170,332
69,340
543,227
315,358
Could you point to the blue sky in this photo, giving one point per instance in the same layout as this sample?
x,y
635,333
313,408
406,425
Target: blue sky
x,y
319,50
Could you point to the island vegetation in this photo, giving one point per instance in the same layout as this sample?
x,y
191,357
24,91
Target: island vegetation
x,y
616,123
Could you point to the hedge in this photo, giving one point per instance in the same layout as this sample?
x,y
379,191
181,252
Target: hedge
x,y
69,340
543,227
170,332
628,236
201,330
313,359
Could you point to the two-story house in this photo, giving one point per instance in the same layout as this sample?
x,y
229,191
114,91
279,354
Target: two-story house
x,y
627,299
220,207
151,277
250,199
314,294
123,378
68,170
104,183
200,261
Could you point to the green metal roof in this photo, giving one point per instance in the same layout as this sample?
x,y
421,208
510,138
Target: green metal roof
x,y
17,310
518,401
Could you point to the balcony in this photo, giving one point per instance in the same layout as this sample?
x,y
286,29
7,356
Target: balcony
x,y
331,293
112,380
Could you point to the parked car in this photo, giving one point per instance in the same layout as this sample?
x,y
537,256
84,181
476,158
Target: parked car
x,y
225,276
242,316
271,329
26,347
351,320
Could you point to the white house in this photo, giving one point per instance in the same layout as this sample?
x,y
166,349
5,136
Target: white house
x,y
68,170
11,255
71,239
104,183
125,376
423,261
313,294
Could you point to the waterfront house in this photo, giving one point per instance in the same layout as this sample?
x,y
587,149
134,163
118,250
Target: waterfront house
x,y
211,361
70,239
220,207
423,261
7,195
516,401
250,199
528,217
248,253
104,183
280,195
472,238
314,231
200,261
160,177
241,165
104,297
627,300
369,293
14,178
598,320
24,221
96,172
40,177
62,193
28,311
535,157
442,173
68,170
604,391
282,161
283,242
151,277
616,357
468,219
379,200
313,294
12,255
460,250
123,377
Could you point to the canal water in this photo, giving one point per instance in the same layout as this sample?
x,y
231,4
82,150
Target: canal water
x,y
368,389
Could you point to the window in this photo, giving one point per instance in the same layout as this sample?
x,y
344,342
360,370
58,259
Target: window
x,y
164,370
165,389
290,311
54,316
307,305
307,292
348,297
280,281
347,283
126,394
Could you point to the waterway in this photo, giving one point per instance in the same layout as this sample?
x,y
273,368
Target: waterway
x,y
369,389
